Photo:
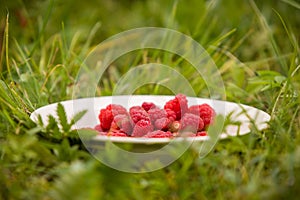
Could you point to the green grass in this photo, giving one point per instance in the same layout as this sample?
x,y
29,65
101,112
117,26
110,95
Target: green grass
x,y
255,45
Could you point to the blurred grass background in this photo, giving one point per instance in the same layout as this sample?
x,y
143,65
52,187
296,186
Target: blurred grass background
x,y
255,45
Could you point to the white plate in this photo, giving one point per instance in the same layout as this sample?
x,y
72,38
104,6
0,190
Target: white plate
x,y
247,116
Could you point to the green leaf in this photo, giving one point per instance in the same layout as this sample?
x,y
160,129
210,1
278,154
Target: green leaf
x,y
34,130
267,73
78,116
86,133
44,154
279,79
62,116
66,152
53,128
40,121
214,132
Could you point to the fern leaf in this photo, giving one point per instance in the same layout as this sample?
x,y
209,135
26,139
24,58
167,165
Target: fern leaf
x,y
62,116
40,121
53,128
78,116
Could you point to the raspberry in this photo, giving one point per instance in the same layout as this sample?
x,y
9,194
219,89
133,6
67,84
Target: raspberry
x,y
156,113
113,126
123,123
205,111
138,113
201,133
191,122
117,133
116,109
105,118
107,114
98,128
194,110
102,133
148,120
127,127
162,123
171,115
187,134
159,134
148,105
179,105
141,128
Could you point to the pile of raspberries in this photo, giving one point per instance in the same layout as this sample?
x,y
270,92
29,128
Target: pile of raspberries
x,y
148,120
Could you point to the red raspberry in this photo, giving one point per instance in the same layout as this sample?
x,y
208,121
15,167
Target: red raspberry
x,y
205,111
171,115
98,128
187,134
102,133
117,133
113,126
194,110
141,128
107,114
201,133
191,122
162,123
179,105
138,113
105,118
116,109
127,127
148,105
156,113
159,134
123,123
